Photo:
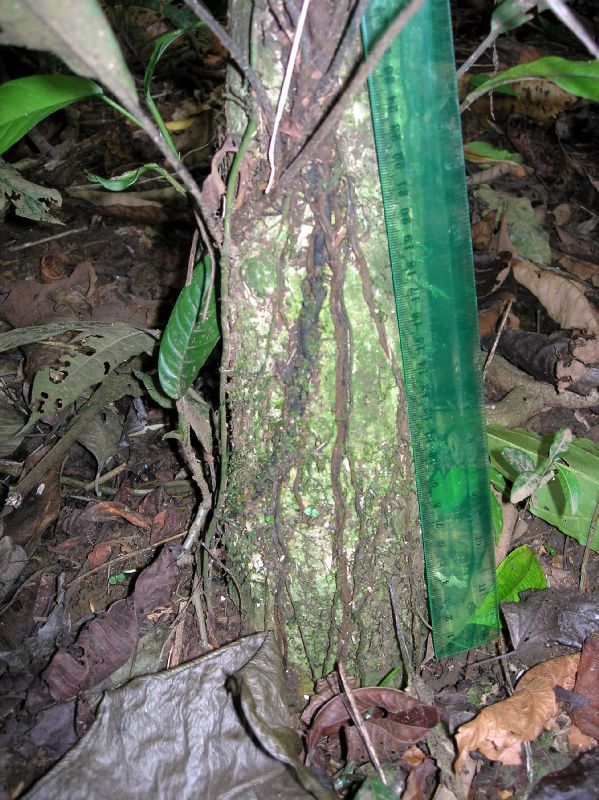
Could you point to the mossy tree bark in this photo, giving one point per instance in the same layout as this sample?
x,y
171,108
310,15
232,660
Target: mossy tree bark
x,y
320,509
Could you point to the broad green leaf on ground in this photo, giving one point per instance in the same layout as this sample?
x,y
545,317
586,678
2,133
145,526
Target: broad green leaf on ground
x,y
29,200
550,502
518,571
88,360
188,340
75,31
121,182
26,101
526,233
483,151
580,78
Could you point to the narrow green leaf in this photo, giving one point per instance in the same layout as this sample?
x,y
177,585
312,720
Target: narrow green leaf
x,y
26,101
570,487
188,341
121,182
580,78
483,151
520,460
496,517
477,80
524,485
497,479
519,571
561,442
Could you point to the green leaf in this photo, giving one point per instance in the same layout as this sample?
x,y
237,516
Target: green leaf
x,y
30,200
570,488
525,484
375,789
78,32
549,502
510,14
188,341
520,460
496,517
153,388
483,151
478,80
561,442
497,480
121,182
580,78
26,101
519,571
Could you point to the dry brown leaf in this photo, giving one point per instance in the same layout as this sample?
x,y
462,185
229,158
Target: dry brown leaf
x,y
563,299
585,270
500,729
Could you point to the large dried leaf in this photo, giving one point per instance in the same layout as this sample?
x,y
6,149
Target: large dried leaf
x,y
500,729
563,299
76,32
89,358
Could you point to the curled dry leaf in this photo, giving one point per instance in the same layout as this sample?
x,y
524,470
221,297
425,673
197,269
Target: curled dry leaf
x,y
563,299
500,729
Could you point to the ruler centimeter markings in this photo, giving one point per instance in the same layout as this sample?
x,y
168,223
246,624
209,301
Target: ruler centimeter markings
x,y
413,97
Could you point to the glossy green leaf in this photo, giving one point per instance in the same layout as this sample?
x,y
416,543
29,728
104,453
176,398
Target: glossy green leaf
x,y
520,460
483,151
496,517
121,182
26,101
477,80
520,570
570,488
188,341
497,479
580,78
581,462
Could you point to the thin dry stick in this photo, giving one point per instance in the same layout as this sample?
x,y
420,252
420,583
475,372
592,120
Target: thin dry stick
x,y
497,337
587,547
359,722
72,232
329,122
285,91
119,559
235,52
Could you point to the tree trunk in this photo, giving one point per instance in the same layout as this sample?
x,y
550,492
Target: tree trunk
x,y
321,508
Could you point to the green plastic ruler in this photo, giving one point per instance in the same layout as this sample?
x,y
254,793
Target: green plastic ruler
x,y
414,105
